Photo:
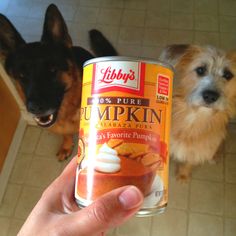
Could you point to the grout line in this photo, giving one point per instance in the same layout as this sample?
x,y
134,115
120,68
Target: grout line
x,y
219,23
194,25
119,27
188,207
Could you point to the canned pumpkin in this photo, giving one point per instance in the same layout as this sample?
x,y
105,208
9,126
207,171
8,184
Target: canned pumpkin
x,y
125,130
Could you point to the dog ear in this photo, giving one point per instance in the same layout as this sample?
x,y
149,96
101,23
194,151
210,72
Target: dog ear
x,y
55,29
10,39
173,53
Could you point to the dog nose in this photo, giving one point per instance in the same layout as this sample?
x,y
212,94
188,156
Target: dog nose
x,y
34,108
210,96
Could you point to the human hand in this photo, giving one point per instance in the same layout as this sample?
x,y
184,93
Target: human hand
x,y
56,213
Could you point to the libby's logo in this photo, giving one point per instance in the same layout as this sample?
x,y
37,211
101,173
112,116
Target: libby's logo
x,y
124,76
110,75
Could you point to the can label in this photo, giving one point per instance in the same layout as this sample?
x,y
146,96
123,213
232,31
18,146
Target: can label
x,y
124,130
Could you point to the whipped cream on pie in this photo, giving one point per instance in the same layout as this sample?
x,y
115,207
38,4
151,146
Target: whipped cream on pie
x,y
107,160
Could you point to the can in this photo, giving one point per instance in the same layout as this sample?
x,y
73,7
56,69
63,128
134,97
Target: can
x,y
125,130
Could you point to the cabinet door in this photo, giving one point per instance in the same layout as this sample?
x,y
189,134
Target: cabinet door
x,y
9,118
12,128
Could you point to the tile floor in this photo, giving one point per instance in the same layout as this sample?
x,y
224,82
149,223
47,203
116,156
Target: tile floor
x,y
206,206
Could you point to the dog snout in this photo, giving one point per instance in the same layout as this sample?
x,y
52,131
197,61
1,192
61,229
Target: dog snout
x,y
210,96
34,108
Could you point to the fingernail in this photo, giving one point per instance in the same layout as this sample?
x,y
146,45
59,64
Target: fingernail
x,y
130,198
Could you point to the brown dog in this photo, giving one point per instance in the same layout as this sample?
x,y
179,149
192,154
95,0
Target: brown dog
x,y
204,100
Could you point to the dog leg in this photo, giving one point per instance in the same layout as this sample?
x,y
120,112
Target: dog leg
x,y
66,148
183,172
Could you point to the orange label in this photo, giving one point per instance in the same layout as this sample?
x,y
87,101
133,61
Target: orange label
x,y
124,129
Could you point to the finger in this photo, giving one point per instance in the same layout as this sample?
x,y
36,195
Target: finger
x,y
109,211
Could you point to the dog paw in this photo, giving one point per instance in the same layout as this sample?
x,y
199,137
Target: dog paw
x,y
183,179
63,154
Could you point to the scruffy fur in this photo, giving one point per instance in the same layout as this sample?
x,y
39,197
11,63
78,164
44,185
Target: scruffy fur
x,y
204,99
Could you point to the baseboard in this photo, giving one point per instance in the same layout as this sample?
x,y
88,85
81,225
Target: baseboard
x,y
11,156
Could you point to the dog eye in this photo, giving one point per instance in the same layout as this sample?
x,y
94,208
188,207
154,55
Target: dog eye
x,y
201,70
227,74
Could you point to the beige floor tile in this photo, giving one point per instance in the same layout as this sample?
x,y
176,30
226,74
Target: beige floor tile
x,y
205,225
206,22
159,5
181,21
129,50
49,144
109,16
207,171
227,24
67,10
42,172
130,35
111,32
155,37
172,168
69,2
206,7
20,168
29,197
135,227
227,7
155,19
133,18
227,41
230,227
65,163
15,226
135,4
230,146
230,168
178,194
207,38
83,44
182,6
80,32
230,200
94,3
10,199
112,3
151,52
88,13
30,139
180,37
206,197
172,222
4,226
111,232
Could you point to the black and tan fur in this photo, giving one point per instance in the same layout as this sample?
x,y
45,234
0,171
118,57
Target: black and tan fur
x,y
48,73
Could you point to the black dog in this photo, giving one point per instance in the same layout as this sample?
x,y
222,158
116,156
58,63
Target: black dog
x,y
48,73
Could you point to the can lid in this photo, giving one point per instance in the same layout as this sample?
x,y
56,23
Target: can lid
x,y
123,58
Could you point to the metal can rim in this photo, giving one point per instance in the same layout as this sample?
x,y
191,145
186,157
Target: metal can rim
x,y
124,58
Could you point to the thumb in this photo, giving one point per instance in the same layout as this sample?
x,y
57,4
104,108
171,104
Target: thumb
x,y
111,210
